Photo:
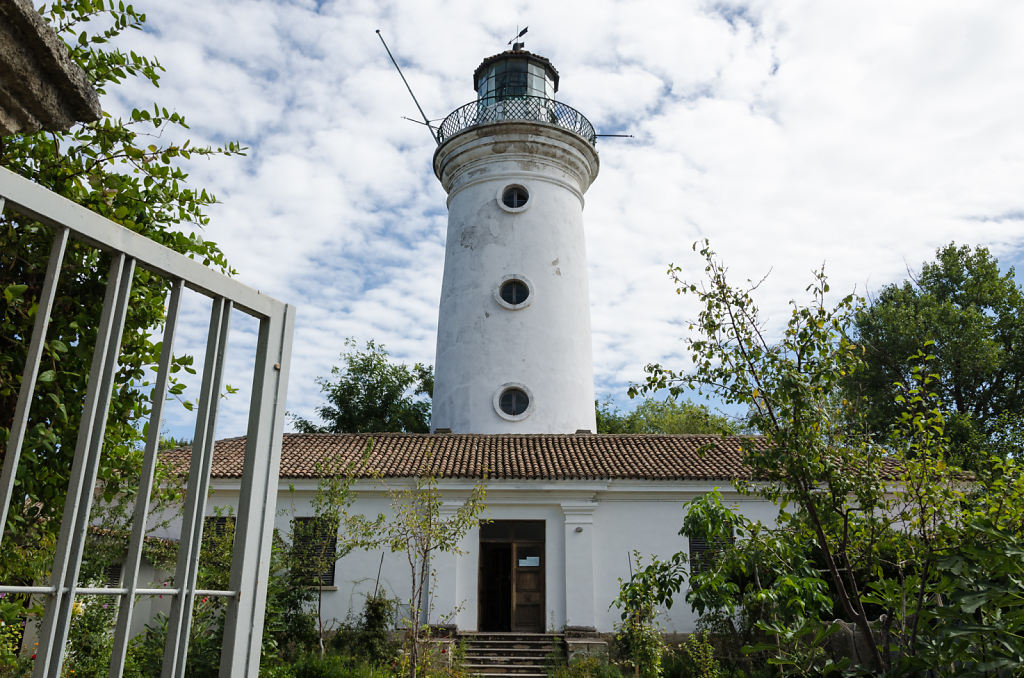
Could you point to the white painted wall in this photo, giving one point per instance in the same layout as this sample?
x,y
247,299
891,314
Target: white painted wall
x,y
545,345
582,568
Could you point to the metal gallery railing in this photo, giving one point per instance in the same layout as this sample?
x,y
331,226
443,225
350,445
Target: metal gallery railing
x,y
246,596
505,109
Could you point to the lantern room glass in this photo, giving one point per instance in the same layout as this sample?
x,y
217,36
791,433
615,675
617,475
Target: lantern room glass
x,y
512,78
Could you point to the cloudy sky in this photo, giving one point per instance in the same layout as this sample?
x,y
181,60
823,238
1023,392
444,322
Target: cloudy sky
x,y
791,134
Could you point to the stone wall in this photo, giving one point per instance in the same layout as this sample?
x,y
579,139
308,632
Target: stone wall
x,y
40,86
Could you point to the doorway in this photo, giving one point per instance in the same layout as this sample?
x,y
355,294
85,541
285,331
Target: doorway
x,y
511,576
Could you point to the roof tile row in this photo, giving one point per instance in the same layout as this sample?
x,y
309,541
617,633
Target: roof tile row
x,y
501,456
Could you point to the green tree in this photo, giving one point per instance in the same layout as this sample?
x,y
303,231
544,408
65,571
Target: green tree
x,y
889,528
666,416
367,393
970,312
127,170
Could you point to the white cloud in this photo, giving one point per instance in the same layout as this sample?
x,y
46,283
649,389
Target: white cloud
x,y
790,133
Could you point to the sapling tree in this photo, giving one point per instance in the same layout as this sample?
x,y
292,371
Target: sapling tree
x,y
763,585
420,525
333,532
649,587
817,454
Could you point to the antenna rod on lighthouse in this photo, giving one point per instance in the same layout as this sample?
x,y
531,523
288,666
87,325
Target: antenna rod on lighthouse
x,y
426,120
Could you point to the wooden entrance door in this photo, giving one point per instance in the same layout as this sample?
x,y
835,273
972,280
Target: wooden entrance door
x,y
511,576
528,587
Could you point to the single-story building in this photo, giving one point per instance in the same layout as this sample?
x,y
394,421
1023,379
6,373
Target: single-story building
x,y
563,515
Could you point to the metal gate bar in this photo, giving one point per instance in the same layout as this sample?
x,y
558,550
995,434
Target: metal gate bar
x,y
67,558
179,621
31,371
133,558
250,565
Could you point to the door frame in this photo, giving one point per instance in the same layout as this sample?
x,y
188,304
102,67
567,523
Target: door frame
x,y
515,542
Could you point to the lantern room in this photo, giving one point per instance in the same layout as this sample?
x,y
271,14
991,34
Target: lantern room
x,y
515,74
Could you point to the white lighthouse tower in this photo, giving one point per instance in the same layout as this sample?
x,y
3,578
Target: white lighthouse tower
x,y
513,337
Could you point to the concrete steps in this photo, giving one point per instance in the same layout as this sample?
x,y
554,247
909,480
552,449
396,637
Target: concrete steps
x,y
509,655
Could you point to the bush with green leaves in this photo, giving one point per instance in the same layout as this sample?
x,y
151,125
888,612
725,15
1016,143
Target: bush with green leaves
x,y
337,666
12,629
126,169
587,666
146,652
91,637
369,637
866,528
289,629
694,658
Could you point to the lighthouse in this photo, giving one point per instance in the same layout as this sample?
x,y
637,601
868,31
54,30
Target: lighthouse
x,y
513,340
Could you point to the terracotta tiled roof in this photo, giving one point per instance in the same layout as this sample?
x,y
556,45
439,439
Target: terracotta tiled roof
x,y
508,457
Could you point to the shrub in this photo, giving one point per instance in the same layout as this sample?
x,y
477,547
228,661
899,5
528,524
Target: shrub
x,y
11,663
369,638
12,628
276,670
91,637
146,651
289,629
334,666
701,655
314,666
587,667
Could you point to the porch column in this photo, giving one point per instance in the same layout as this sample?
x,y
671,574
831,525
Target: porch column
x,y
442,601
579,563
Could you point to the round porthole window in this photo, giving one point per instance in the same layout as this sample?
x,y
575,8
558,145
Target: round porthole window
x,y
513,402
514,198
514,292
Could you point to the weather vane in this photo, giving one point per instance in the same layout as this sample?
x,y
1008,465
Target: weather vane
x,y
516,46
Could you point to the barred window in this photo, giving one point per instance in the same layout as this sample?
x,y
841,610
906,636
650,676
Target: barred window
x,y
315,544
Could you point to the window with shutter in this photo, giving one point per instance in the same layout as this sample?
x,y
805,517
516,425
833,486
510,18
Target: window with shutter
x,y
112,575
703,553
218,526
315,543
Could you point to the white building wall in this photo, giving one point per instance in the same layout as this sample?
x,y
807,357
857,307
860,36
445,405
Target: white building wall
x,y
582,565
650,522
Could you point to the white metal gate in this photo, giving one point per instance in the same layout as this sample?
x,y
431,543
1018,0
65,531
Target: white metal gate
x,y
250,566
